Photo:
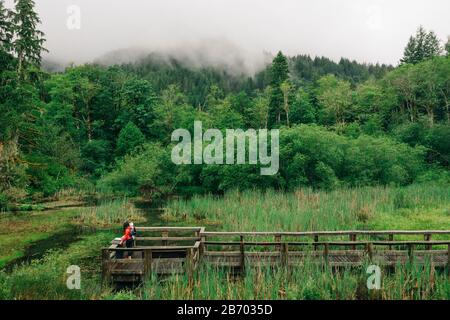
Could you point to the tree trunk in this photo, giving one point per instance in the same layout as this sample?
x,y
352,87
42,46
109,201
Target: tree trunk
x,y
20,66
430,115
448,113
286,109
89,127
9,151
447,105
410,111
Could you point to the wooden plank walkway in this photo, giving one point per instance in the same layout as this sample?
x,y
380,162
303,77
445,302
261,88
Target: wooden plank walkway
x,y
182,249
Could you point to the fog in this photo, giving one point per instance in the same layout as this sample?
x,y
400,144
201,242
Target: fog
x,y
238,32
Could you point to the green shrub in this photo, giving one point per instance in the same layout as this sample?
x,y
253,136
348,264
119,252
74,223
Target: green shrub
x,y
434,175
149,173
313,156
96,155
310,155
130,137
438,140
3,201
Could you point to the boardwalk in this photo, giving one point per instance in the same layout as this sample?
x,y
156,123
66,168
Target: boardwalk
x,y
167,250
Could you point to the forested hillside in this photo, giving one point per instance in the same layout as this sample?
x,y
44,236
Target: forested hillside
x,y
109,128
195,82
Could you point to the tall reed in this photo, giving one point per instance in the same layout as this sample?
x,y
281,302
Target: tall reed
x,y
307,209
110,213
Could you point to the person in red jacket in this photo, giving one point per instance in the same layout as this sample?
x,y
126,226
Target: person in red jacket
x,y
127,238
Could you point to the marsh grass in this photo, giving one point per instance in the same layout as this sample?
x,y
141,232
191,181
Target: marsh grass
x,y
46,279
415,206
75,193
110,213
307,282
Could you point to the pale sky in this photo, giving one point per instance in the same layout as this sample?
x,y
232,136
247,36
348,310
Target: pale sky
x,y
364,30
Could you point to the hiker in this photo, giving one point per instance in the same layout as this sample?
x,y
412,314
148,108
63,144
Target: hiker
x,y
127,238
133,231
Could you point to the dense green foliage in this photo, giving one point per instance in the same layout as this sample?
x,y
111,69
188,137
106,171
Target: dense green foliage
x,y
341,124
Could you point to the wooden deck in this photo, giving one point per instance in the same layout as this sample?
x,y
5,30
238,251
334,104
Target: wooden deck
x,y
168,250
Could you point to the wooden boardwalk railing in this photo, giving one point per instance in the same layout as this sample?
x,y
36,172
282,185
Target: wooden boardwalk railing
x,y
166,250
148,258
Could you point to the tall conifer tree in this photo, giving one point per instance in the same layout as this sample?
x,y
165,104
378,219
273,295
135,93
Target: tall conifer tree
x,y
28,40
279,74
6,31
423,46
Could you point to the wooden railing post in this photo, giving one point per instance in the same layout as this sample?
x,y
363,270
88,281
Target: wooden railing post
x,y
106,267
242,250
190,265
203,247
278,239
411,253
197,257
325,252
370,251
316,239
427,237
148,259
391,238
448,259
165,234
352,237
284,254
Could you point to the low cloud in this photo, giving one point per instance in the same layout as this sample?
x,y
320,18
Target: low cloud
x,y
237,33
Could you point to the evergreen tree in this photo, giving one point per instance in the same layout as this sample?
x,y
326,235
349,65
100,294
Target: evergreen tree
x,y
447,46
423,46
6,31
279,73
28,40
